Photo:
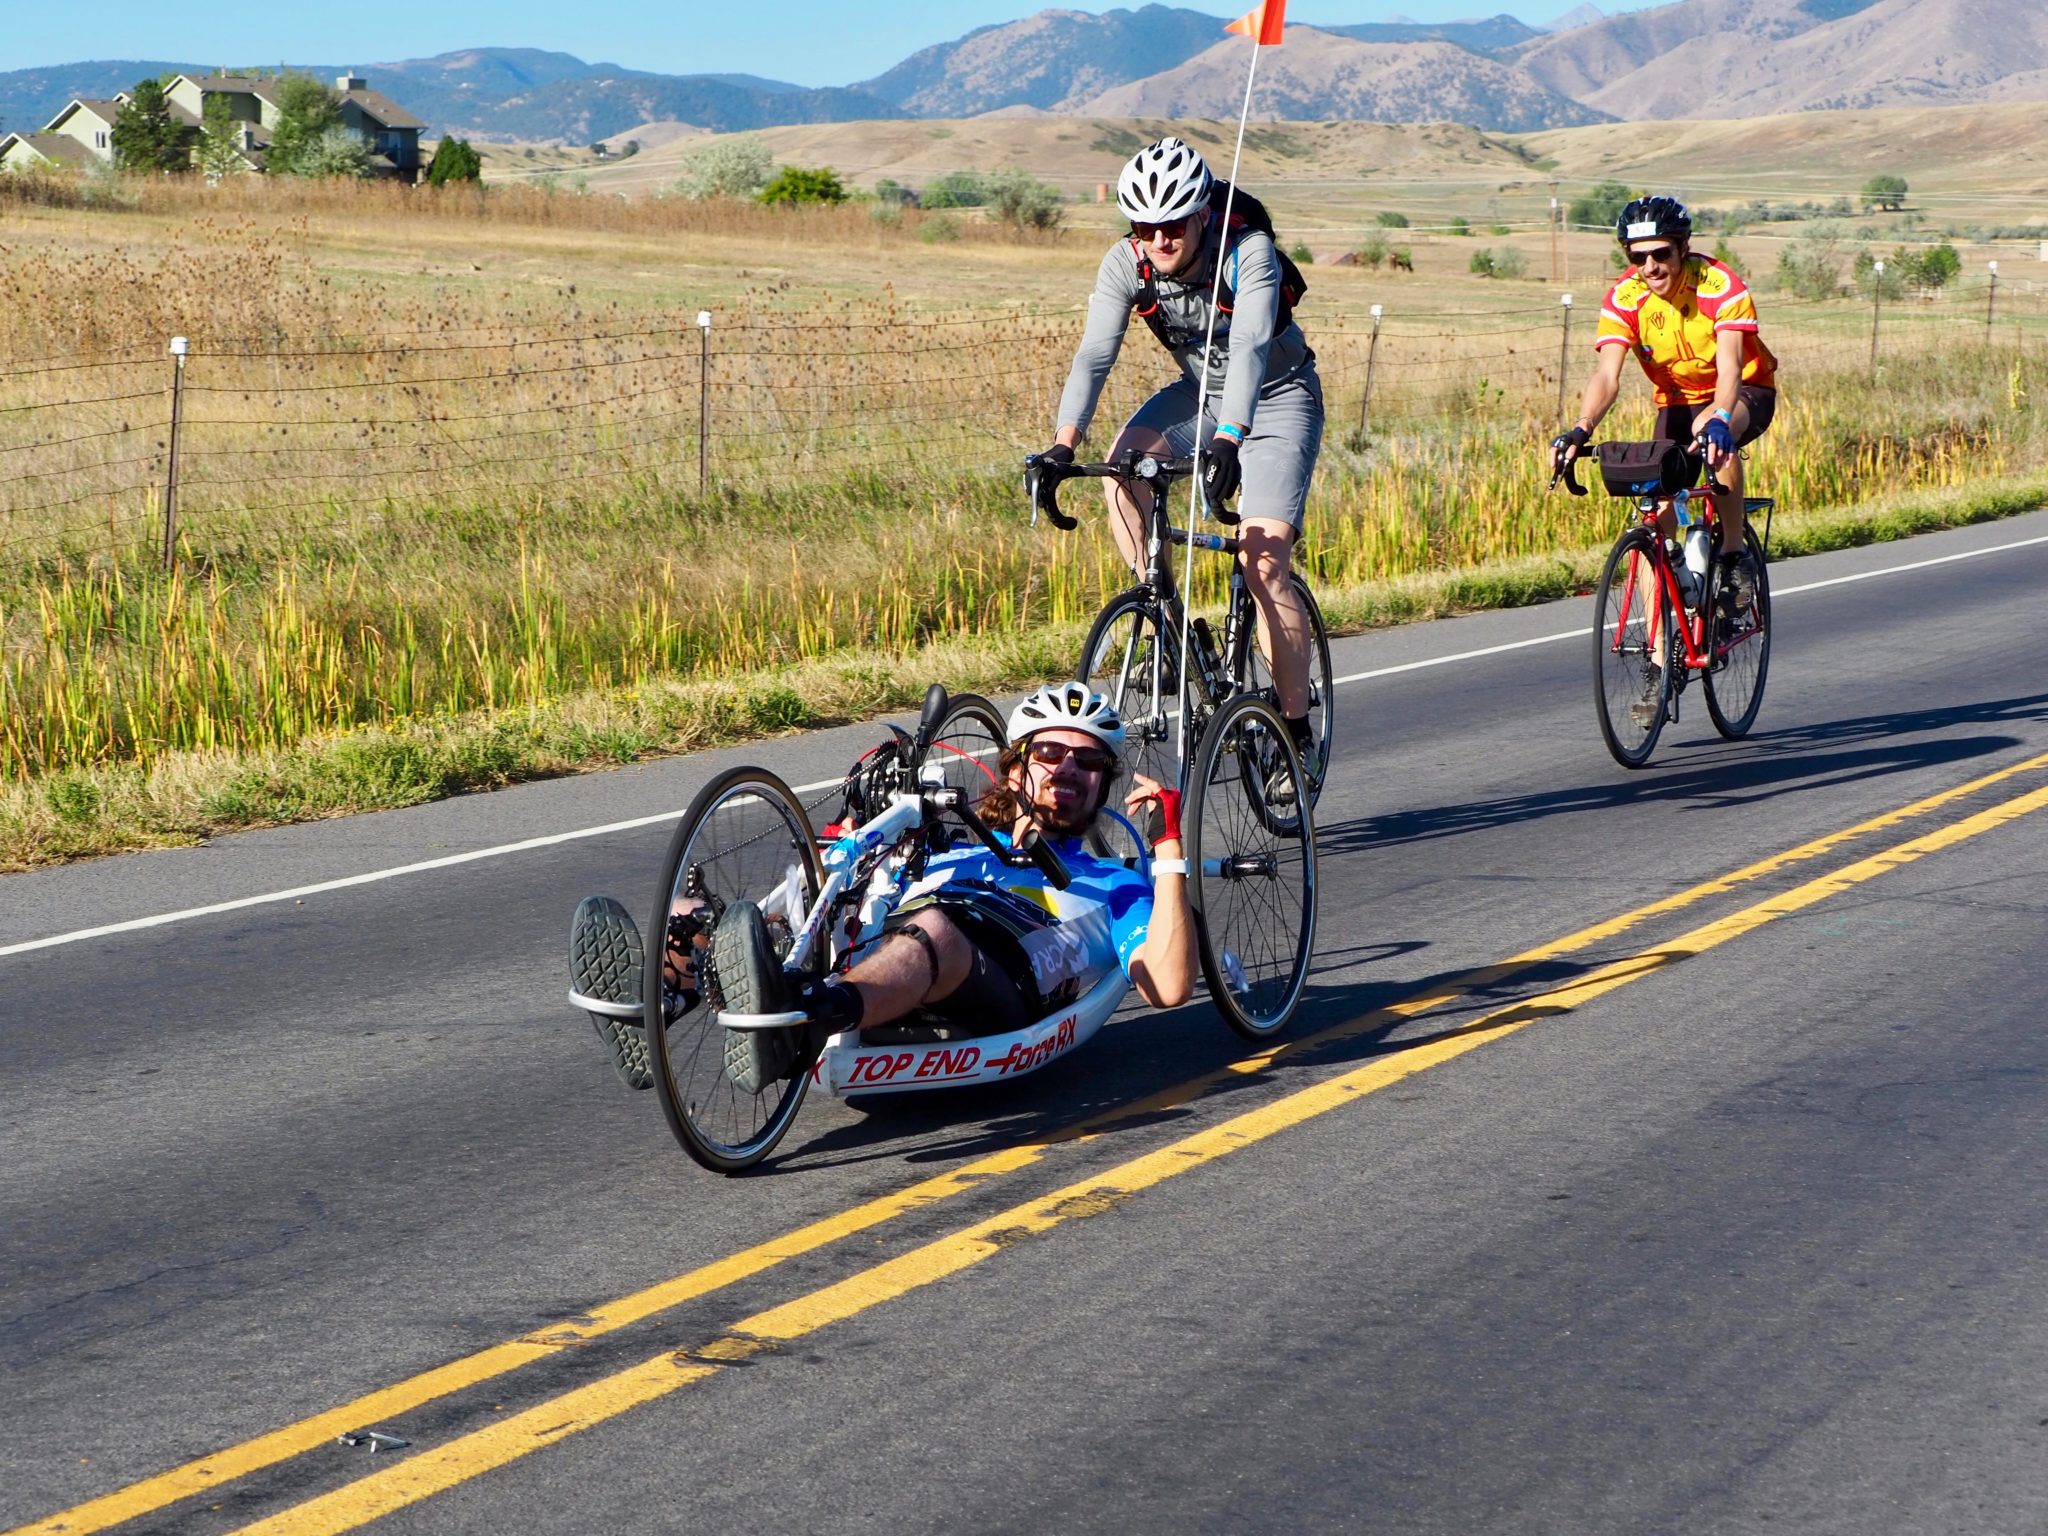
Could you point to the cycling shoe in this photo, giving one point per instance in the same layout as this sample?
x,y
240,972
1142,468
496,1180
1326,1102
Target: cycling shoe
x,y
749,979
604,979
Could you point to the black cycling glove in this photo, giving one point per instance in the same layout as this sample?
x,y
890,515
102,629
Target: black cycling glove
x,y
1567,446
1221,473
1058,453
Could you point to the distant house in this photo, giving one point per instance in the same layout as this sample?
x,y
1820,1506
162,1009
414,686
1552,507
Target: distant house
x,y
391,133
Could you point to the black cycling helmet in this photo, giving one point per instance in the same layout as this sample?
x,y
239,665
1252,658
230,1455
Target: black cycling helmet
x,y
1653,218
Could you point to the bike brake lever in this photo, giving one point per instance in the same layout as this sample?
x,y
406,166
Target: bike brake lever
x,y
1039,852
1041,484
1568,472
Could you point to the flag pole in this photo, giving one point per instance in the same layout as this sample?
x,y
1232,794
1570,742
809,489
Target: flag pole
x,y
1196,500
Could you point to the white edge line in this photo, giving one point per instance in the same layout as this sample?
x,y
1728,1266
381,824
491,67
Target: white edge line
x,y
299,893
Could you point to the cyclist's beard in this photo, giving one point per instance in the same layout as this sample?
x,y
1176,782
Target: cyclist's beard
x,y
1045,812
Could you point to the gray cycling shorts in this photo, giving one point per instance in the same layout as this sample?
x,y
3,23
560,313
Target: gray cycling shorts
x,y
1279,457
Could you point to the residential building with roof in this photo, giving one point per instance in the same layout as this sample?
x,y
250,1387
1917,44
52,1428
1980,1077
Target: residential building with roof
x,y
391,134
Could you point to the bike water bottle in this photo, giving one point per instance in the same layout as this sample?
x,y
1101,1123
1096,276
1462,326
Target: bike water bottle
x,y
1696,555
1688,583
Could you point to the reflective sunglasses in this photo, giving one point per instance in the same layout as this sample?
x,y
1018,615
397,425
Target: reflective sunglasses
x,y
1662,255
1173,229
1088,759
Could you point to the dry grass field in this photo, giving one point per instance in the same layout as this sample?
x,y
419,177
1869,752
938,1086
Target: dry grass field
x,y
439,516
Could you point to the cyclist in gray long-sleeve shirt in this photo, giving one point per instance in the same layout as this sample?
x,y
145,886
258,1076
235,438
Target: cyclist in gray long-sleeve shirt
x,y
1263,422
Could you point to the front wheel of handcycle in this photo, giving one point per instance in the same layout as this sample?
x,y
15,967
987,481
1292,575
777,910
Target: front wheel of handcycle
x,y
1251,850
1631,690
966,744
744,837
1251,671
1740,646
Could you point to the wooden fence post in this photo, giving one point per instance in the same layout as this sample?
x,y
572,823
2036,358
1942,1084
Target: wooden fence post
x,y
179,347
703,400
1372,357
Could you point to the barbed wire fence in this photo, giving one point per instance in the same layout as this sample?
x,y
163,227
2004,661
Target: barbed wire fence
x,y
173,442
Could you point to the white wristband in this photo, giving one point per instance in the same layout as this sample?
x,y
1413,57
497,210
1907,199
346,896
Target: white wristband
x,y
1169,867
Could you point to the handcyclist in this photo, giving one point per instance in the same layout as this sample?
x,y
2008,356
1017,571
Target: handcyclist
x,y
980,946
1263,424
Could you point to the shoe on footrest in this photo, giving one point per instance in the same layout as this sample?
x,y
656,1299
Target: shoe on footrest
x,y
604,968
751,980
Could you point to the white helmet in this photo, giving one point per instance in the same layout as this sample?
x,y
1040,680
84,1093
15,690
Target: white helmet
x,y
1068,707
1162,182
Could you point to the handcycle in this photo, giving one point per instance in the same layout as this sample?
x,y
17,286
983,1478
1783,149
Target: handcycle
x,y
1657,620
1132,652
1252,889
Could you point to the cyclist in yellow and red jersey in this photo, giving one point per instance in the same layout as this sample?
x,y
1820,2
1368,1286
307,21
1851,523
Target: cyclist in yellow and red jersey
x,y
1691,323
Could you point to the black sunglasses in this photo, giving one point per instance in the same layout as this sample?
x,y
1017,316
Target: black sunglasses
x,y
1088,759
1661,254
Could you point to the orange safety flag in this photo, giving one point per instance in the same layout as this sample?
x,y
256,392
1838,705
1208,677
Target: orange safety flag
x,y
1262,25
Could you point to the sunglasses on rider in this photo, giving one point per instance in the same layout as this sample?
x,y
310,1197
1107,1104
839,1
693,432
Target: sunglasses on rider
x,y
1662,255
1088,759
1173,229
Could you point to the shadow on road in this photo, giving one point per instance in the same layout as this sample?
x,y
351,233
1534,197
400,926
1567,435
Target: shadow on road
x,y
1714,773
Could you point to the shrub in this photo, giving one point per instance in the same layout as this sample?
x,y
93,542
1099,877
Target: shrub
x,y
1601,205
736,167
1459,226
798,184
1498,229
1016,199
1301,255
1481,264
1888,284
942,230
956,189
1808,269
454,160
1372,250
1386,218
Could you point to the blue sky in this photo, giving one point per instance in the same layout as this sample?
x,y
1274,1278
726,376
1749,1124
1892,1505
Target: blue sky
x,y
811,42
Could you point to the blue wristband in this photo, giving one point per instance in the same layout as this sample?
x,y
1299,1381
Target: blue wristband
x,y
1231,430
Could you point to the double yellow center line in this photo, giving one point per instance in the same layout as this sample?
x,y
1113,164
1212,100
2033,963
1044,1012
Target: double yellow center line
x,y
423,1473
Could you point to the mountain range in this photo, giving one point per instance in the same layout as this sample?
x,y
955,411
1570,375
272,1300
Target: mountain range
x,y
1689,59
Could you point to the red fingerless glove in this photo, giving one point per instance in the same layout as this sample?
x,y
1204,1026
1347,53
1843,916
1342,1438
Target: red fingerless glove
x,y
1169,817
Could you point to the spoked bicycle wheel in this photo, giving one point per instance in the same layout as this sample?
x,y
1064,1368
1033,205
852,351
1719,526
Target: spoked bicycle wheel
x,y
1252,875
1632,692
744,837
1131,661
1251,671
966,744
1741,646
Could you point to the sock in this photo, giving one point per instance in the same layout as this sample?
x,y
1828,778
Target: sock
x,y
833,1002
1297,727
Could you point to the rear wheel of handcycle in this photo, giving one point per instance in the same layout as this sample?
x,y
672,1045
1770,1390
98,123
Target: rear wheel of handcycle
x,y
1741,646
744,837
1129,658
1631,691
1251,873
1253,673
966,744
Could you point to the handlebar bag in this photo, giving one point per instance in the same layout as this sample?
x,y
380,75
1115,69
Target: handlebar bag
x,y
1658,467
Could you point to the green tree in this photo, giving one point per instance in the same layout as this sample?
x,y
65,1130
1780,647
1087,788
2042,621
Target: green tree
x,y
306,111
734,167
146,137
1884,192
454,161
1808,269
799,184
1940,266
1016,199
337,152
1888,284
1601,205
956,189
220,142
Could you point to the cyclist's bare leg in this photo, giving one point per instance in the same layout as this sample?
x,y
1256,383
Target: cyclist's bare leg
x,y
1265,550
1128,509
1728,507
901,973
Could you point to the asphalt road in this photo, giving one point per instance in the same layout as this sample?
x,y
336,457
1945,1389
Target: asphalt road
x,y
1720,1209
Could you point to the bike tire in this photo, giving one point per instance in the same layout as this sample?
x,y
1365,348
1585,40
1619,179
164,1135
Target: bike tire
x,y
1622,659
1250,673
742,837
967,742
1742,648
1252,877
1129,658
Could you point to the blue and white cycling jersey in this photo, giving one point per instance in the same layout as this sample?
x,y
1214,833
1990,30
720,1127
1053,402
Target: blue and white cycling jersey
x,y
1096,923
